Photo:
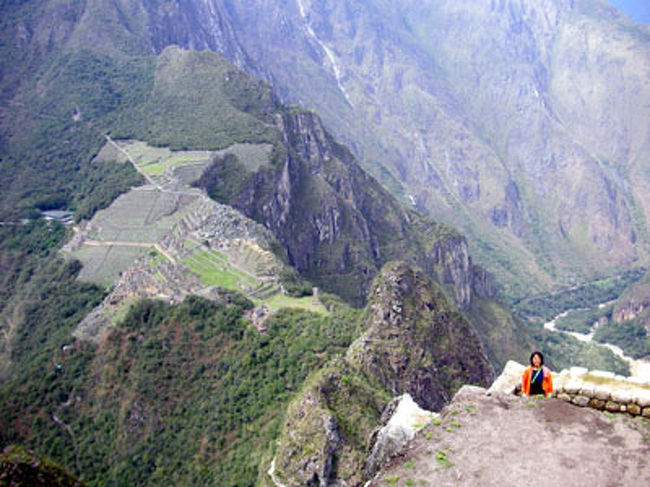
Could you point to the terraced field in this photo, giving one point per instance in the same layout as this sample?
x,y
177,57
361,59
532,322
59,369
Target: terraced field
x,y
163,165
139,219
142,215
104,264
246,270
215,269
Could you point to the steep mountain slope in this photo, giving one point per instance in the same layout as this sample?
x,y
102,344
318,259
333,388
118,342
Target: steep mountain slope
x,y
520,123
414,342
192,393
23,467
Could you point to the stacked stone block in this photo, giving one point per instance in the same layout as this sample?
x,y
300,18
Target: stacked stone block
x,y
603,391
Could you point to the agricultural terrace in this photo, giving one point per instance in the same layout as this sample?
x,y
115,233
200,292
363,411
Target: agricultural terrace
x,y
135,221
104,264
245,268
163,165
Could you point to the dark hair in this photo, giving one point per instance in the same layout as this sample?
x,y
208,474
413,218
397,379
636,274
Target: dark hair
x,y
541,357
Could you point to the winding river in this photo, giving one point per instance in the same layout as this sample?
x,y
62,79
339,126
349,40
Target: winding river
x,y
638,368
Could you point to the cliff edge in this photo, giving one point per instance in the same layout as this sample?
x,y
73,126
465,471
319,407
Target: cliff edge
x,y
502,439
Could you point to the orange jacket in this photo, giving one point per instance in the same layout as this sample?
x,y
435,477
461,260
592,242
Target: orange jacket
x,y
547,381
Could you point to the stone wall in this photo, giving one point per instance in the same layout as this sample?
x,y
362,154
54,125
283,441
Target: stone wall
x,y
603,391
596,389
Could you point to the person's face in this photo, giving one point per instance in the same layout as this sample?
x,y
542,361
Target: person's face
x,y
537,361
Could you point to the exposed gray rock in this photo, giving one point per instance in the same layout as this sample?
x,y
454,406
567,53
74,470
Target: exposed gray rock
x,y
401,420
572,445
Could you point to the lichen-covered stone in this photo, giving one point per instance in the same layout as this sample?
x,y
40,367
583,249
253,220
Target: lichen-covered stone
x,y
587,390
564,397
622,396
612,407
642,398
572,387
597,404
634,409
581,401
602,393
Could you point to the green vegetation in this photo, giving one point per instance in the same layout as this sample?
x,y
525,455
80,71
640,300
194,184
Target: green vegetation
x,y
185,394
50,164
195,103
563,351
214,269
22,467
40,300
630,336
392,479
224,179
441,458
200,101
587,296
582,320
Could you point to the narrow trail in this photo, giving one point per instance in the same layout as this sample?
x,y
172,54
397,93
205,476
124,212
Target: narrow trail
x,y
132,161
67,427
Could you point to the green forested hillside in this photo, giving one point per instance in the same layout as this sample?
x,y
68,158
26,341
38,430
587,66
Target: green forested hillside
x,y
186,394
192,392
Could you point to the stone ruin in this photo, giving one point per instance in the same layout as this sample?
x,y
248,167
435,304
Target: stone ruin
x,y
596,389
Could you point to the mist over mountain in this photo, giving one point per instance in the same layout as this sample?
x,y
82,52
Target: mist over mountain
x,y
271,217
521,123
524,124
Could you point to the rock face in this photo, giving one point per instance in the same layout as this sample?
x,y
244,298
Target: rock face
x,y
634,304
522,123
337,224
24,467
324,437
402,419
502,439
416,342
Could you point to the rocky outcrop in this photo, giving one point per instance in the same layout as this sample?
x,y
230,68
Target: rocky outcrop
x,y
19,466
500,439
342,428
416,342
337,224
453,268
324,437
400,421
521,160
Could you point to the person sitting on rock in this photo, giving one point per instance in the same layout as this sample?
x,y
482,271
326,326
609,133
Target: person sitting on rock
x,y
537,378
